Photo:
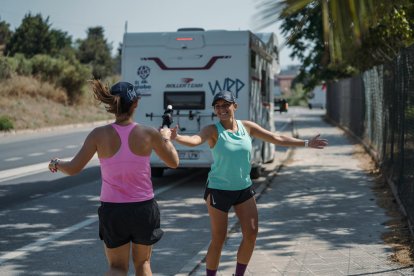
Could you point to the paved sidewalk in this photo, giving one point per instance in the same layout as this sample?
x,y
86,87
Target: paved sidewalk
x,y
318,216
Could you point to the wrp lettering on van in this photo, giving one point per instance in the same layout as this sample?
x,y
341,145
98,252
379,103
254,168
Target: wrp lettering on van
x,y
228,84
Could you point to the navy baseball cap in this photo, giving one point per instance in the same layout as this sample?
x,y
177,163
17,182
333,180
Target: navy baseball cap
x,y
127,93
224,95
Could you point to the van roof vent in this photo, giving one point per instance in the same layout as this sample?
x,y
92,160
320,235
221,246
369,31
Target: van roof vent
x,y
190,30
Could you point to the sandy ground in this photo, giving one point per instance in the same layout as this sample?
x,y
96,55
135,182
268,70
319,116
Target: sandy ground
x,y
398,235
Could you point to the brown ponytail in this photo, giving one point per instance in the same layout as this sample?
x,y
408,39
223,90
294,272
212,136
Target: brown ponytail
x,y
101,93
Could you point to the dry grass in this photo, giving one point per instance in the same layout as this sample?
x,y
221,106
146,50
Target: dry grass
x,y
21,86
32,104
398,235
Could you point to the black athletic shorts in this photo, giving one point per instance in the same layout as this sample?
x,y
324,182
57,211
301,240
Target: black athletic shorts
x,y
224,199
137,222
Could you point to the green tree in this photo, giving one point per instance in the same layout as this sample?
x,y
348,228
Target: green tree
x,y
5,33
305,38
349,25
336,38
35,36
31,37
95,51
61,43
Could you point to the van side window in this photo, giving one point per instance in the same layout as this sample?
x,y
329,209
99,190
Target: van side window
x,y
252,59
263,84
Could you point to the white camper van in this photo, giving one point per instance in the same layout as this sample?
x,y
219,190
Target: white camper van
x,y
185,69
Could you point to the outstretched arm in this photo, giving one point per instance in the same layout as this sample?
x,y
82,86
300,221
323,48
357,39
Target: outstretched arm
x,y
80,160
206,134
257,131
164,148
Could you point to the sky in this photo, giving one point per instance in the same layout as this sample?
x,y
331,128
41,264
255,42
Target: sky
x,y
116,16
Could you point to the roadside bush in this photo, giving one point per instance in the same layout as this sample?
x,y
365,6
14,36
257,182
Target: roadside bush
x,y
5,124
73,78
71,75
15,65
6,69
47,68
23,66
67,74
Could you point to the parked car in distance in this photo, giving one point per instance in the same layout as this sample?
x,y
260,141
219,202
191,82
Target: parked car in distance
x,y
280,103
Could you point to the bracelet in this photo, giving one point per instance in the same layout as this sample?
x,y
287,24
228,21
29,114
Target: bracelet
x,y
306,143
53,164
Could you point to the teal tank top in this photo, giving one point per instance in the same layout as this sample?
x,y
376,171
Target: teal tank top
x,y
231,159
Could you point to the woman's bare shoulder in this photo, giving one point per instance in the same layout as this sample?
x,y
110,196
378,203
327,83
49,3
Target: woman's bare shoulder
x,y
209,128
101,130
249,125
145,132
246,122
146,129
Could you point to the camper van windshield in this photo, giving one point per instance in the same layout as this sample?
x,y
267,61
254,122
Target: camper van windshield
x,y
185,100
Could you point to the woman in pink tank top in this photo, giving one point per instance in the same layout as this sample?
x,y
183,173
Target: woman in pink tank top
x,y
124,148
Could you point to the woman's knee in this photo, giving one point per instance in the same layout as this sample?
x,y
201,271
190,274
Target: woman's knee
x,y
142,265
250,234
118,267
118,259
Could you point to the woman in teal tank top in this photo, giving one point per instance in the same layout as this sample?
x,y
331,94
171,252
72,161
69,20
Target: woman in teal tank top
x,y
229,184
231,155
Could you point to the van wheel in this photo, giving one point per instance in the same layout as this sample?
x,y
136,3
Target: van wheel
x,y
255,172
157,172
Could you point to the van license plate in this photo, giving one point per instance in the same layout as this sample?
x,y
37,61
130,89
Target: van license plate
x,y
188,154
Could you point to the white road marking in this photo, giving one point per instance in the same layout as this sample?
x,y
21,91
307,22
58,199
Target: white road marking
x,y
12,159
36,154
10,174
39,244
53,150
22,171
71,146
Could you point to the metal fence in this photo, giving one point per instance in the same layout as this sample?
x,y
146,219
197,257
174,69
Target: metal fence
x,y
378,108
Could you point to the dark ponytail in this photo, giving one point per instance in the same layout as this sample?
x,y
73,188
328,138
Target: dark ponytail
x,y
101,93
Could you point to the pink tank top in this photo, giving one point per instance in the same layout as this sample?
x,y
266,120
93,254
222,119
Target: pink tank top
x,y
126,177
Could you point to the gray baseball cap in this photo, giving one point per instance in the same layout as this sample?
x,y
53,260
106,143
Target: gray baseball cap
x,y
224,95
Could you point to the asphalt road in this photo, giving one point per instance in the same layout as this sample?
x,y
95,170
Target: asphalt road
x,y
48,222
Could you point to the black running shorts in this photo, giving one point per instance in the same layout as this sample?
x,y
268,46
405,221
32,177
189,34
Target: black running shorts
x,y
137,222
223,199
